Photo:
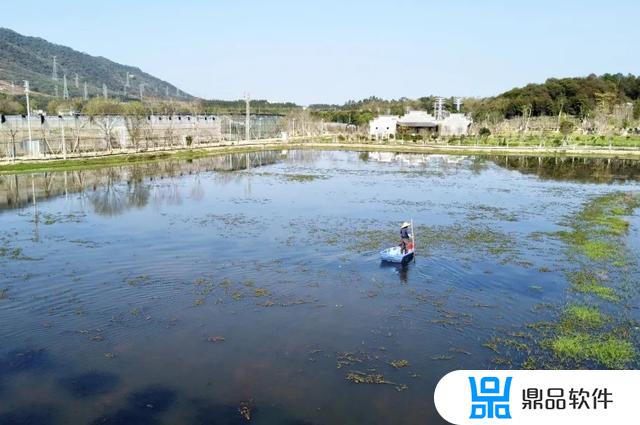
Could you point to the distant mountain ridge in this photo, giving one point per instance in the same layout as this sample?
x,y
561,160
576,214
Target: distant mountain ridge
x,y
31,58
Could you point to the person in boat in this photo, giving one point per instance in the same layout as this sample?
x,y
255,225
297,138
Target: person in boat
x,y
405,237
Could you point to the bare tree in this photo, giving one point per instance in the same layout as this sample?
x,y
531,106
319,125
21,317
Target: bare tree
x,y
79,125
104,113
12,131
135,115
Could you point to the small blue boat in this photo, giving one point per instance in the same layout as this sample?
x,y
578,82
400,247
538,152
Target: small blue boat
x,y
395,255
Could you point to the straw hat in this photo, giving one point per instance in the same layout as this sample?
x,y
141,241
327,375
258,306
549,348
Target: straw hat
x,y
405,224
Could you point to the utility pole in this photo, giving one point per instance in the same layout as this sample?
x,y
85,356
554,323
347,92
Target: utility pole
x,y
105,91
64,144
247,122
65,89
86,92
26,92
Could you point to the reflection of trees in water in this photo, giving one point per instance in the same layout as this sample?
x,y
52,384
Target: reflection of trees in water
x,y
594,170
167,194
306,156
197,191
110,197
113,197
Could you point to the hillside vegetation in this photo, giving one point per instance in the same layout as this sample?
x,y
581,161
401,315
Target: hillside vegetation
x,y
31,58
579,97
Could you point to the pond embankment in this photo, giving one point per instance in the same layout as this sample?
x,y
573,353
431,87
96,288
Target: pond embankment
x,y
128,156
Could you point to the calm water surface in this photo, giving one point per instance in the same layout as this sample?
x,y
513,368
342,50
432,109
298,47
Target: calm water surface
x,y
249,285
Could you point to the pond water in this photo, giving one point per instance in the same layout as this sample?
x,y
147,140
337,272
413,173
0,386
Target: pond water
x,y
247,288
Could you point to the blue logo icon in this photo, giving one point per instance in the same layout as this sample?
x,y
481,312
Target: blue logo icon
x,y
487,401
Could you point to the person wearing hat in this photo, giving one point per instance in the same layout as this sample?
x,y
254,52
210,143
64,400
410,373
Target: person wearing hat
x,y
405,236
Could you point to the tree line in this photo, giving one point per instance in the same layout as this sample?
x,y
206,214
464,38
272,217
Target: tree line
x,y
15,105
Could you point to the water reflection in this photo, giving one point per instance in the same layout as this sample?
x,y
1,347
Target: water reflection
x,y
591,170
401,269
109,197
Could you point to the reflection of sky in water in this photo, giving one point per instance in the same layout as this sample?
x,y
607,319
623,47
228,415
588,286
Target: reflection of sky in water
x,y
129,277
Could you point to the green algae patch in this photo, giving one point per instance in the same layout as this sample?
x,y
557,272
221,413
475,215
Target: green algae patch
x,y
599,250
609,351
588,283
303,178
583,317
398,364
597,229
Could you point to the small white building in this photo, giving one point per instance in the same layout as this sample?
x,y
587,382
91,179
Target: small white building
x,y
455,125
383,127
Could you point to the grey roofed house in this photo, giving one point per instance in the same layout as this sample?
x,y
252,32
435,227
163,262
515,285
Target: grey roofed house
x,y
418,119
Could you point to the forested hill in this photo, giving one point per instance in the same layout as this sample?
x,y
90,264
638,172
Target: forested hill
x,y
580,97
31,58
574,96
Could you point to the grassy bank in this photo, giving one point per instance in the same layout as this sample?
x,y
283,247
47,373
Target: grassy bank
x,y
399,146
83,163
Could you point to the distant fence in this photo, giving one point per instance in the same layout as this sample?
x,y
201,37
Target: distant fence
x,y
60,136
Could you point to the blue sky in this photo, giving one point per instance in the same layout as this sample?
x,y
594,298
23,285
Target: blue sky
x,y
332,51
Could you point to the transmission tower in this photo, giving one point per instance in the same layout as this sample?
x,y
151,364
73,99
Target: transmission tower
x,y
105,91
65,89
86,93
54,75
458,103
438,108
